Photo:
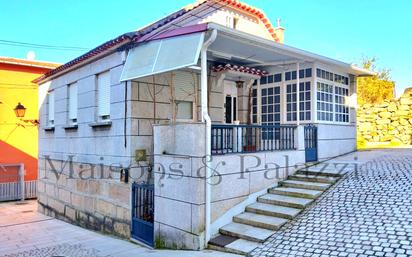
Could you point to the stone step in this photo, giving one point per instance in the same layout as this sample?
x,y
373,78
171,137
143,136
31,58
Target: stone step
x,y
328,173
305,185
296,192
246,232
314,178
283,200
230,244
259,220
273,210
241,246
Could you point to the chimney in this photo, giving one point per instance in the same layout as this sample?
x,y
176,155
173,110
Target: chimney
x,y
280,31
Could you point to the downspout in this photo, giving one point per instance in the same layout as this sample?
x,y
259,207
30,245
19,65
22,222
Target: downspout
x,y
208,131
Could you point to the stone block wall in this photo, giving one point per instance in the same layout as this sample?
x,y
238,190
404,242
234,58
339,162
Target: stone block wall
x,y
390,121
71,194
179,180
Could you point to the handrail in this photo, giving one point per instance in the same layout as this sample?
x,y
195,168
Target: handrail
x,y
253,126
230,138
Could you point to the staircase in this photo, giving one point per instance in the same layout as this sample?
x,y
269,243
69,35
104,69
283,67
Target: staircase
x,y
281,204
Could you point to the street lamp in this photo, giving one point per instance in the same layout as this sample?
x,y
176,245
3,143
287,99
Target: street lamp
x,y
20,110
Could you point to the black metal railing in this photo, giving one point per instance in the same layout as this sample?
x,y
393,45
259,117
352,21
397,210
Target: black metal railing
x,y
228,138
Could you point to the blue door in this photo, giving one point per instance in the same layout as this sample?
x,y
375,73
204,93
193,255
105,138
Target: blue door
x,y
311,143
143,213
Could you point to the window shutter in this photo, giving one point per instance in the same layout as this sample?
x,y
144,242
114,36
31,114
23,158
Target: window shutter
x,y
184,83
51,107
103,94
73,101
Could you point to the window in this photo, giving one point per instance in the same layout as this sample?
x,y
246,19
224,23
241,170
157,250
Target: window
x,y
308,73
277,77
305,73
254,106
270,110
304,101
291,75
332,77
103,96
184,110
72,89
341,111
50,111
263,80
235,22
325,102
230,22
341,79
291,102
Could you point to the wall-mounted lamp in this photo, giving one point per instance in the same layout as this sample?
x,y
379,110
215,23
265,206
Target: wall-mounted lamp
x,y
239,84
20,110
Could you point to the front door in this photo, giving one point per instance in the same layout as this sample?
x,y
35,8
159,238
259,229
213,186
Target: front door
x,y
230,92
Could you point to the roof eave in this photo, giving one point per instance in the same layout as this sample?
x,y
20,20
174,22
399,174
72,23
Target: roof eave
x,y
96,53
293,51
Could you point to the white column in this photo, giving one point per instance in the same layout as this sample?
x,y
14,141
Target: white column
x,y
259,103
314,88
297,94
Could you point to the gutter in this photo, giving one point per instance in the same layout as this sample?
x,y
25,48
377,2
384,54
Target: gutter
x,y
208,131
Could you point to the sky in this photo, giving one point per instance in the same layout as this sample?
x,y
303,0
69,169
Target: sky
x,y
347,30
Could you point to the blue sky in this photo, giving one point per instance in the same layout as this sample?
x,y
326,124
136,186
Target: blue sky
x,y
343,29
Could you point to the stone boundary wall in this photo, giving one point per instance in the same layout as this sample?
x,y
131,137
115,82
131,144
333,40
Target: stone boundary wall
x,y
390,121
98,204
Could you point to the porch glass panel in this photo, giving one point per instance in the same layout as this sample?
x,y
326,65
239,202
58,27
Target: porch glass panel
x,y
162,55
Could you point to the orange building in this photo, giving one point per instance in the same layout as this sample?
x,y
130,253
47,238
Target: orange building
x,y
19,135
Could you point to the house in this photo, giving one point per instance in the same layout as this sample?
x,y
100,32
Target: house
x,y
18,135
203,111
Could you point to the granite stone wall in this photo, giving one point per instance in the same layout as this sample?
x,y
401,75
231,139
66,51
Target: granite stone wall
x,y
89,197
390,121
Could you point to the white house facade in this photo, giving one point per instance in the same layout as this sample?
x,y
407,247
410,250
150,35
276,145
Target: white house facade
x,y
163,135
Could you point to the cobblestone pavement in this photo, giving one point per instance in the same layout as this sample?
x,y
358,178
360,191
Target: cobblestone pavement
x,y
26,233
367,213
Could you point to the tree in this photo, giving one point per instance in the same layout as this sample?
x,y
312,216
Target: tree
x,y
377,88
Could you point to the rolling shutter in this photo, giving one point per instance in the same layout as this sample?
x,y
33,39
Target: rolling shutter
x,y
185,85
73,101
50,112
103,94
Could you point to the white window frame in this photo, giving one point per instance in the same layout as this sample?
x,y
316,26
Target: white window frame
x,y
294,81
273,112
72,103
334,85
332,93
50,108
103,96
177,110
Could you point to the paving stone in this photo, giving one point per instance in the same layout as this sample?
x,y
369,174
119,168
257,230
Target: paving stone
x,y
368,212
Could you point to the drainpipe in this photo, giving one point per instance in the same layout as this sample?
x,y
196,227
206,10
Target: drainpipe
x,y
206,118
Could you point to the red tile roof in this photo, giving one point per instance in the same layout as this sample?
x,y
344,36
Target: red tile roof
x,y
239,68
31,63
139,35
244,7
